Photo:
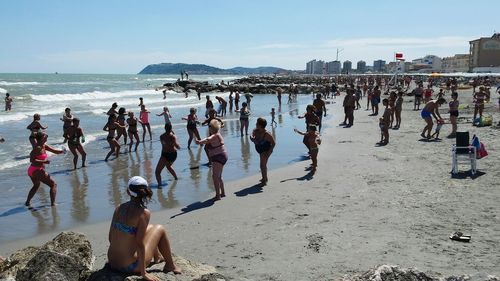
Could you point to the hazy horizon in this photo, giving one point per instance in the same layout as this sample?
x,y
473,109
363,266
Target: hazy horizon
x,y
123,37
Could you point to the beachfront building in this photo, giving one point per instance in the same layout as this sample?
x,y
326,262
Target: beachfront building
x,y
379,66
333,67
361,66
347,67
457,63
429,63
396,66
315,67
485,54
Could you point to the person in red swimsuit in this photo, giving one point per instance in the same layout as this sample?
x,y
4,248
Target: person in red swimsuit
x,y
36,170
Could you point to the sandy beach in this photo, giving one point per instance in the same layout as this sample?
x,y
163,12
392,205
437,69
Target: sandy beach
x,y
365,206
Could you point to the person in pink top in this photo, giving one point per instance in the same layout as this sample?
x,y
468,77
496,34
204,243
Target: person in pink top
x,y
36,171
144,118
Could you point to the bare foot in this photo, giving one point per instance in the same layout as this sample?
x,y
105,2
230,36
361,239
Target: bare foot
x,y
175,269
216,198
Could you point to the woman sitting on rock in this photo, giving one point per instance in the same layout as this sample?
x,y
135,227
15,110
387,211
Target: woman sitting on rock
x,y
133,241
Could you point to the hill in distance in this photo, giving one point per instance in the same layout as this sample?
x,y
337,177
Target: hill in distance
x,y
199,69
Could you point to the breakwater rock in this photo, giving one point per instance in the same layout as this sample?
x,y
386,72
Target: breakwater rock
x,y
254,85
394,273
69,257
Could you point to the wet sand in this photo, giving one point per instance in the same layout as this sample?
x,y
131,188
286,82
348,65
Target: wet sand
x,y
366,205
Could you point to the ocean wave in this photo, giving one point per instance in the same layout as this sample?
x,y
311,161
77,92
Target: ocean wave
x,y
13,164
95,95
6,83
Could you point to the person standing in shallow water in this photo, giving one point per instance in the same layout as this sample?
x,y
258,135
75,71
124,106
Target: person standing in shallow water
x,y
8,102
144,117
320,106
132,131
264,145
75,139
36,171
133,242
217,155
169,146
67,122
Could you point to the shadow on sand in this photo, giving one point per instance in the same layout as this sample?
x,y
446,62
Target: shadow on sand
x,y
195,206
468,174
307,177
254,189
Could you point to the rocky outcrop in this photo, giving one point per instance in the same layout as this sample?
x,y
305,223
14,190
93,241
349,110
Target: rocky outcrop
x,y
191,271
69,257
394,273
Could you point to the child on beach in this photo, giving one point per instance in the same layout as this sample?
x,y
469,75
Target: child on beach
x,y
440,123
264,145
273,116
384,123
166,115
144,117
35,127
311,137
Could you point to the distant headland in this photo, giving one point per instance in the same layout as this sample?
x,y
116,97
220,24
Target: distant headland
x,y
199,69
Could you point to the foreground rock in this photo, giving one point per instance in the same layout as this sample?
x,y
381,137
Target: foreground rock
x,y
69,257
394,273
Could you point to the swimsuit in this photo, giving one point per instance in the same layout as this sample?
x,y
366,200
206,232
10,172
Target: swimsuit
x,y
425,114
128,230
169,156
262,146
454,113
32,168
124,228
144,117
217,153
191,124
132,128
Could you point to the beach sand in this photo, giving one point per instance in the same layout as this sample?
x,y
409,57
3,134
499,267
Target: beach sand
x,y
365,206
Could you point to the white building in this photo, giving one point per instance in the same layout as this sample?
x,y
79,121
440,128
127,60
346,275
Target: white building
x,y
429,63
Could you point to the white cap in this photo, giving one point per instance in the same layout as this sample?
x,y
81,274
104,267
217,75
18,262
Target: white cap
x,y
138,181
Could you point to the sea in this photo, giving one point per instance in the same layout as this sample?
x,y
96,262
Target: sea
x,y
90,195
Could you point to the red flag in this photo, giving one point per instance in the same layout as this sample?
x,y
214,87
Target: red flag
x,y
399,55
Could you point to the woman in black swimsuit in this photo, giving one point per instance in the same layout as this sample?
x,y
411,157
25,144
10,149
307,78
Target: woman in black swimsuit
x,y
74,135
264,144
110,127
121,131
169,146
192,121
35,127
132,131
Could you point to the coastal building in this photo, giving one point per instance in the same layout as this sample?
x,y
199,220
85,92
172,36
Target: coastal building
x,y
333,67
429,63
315,67
485,54
361,66
379,66
347,67
457,63
396,66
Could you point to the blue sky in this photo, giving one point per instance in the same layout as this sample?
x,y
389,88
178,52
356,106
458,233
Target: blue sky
x,y
123,36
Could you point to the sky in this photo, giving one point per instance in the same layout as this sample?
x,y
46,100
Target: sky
x,y
124,36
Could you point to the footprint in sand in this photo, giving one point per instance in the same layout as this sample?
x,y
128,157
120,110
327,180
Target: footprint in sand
x,y
315,242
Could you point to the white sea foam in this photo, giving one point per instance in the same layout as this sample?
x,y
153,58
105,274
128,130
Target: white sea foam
x,y
6,83
12,164
96,95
